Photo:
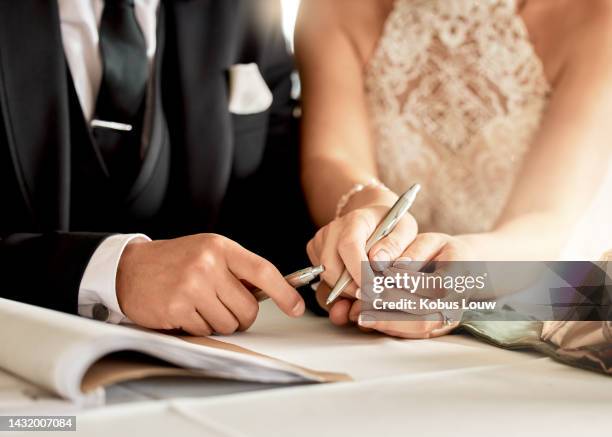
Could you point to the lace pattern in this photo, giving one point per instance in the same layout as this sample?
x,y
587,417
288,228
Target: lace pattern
x,y
455,92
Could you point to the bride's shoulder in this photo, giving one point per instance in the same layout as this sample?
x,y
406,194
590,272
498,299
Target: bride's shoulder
x,y
585,19
569,32
591,36
599,19
359,21
346,9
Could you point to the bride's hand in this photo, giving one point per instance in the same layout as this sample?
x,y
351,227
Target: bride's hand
x,y
342,242
425,248
433,246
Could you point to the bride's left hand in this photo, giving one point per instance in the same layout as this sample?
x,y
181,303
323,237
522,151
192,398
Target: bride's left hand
x,y
424,249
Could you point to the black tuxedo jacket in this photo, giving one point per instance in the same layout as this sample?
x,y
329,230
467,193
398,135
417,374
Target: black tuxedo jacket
x,y
224,168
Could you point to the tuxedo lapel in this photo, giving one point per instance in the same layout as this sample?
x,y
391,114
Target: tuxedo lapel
x,y
34,101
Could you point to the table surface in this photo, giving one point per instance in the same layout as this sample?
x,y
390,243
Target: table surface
x,y
447,386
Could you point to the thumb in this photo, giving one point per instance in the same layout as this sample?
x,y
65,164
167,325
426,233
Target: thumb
x,y
393,245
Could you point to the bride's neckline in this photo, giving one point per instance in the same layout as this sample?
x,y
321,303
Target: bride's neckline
x,y
517,6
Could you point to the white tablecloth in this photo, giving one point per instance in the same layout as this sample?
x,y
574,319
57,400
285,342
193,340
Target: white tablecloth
x,y
454,385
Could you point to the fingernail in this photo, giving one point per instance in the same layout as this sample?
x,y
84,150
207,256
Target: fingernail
x,y
358,293
298,309
365,322
381,260
402,261
382,256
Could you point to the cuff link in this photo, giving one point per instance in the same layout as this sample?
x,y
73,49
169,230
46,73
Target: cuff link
x,y
100,313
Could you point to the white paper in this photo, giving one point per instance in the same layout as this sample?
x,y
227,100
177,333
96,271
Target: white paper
x,y
54,350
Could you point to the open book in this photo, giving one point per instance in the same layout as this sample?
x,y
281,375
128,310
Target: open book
x,y
75,357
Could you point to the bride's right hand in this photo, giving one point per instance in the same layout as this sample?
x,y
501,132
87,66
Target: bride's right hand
x,y
342,242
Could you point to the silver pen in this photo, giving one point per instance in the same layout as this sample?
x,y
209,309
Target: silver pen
x,y
297,279
384,228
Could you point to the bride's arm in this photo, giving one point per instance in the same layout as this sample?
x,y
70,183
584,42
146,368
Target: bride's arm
x,y
568,160
337,150
336,141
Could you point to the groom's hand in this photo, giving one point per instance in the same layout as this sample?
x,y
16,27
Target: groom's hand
x,y
196,284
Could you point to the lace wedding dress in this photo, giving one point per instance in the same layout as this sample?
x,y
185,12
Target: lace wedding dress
x,y
456,93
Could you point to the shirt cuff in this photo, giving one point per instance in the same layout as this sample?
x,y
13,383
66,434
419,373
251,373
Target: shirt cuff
x,y
97,292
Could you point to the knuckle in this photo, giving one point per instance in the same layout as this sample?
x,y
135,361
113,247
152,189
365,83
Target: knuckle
x,y
419,243
187,276
175,309
394,245
410,223
363,219
310,249
250,315
202,329
215,241
347,242
264,270
188,286
228,327
433,237
424,236
320,236
208,261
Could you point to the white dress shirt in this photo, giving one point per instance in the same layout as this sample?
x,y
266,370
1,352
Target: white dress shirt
x,y
80,21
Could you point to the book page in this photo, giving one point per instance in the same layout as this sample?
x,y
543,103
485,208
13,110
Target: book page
x,y
57,351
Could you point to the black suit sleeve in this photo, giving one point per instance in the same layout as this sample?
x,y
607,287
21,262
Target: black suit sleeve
x,y
43,269
46,270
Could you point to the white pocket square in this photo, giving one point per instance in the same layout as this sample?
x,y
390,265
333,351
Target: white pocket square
x,y
248,92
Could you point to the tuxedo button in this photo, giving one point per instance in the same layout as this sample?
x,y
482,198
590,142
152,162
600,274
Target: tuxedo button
x,y
100,313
